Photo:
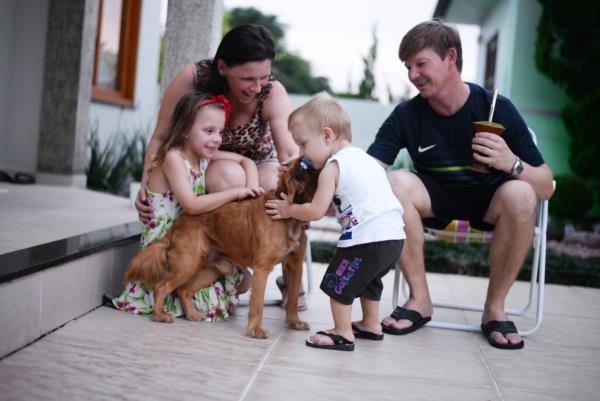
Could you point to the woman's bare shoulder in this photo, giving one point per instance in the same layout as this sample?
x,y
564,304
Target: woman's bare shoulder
x,y
277,98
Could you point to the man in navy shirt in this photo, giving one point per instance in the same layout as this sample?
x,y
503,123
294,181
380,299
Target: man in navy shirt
x,y
436,127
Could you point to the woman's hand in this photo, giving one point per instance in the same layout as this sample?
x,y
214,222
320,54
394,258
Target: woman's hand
x,y
284,166
145,211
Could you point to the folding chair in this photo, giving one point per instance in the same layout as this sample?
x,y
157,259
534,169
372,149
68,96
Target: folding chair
x,y
460,231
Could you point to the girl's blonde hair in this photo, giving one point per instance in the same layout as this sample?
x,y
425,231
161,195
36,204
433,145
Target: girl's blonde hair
x,y
322,111
183,118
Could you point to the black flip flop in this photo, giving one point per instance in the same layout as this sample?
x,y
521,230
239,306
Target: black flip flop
x,y
339,343
19,178
503,327
367,335
402,313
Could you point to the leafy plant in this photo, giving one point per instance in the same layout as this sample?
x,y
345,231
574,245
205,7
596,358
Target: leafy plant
x,y
568,51
138,145
572,198
113,166
292,70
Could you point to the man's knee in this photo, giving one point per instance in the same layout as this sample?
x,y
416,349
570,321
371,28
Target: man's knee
x,y
518,199
410,190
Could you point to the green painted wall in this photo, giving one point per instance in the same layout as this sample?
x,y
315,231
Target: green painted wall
x,y
538,99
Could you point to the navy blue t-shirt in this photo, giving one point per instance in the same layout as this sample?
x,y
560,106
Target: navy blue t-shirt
x,y
441,146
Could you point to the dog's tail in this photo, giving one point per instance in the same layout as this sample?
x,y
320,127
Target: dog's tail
x,y
148,266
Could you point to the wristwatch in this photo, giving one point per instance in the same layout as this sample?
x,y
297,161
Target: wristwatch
x,y
517,168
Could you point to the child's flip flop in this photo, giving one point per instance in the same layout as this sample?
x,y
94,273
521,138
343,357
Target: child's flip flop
x,y
339,343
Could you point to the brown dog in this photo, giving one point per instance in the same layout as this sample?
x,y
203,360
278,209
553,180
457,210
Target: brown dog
x,y
199,249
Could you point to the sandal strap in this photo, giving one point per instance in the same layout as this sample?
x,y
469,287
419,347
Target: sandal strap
x,y
402,313
504,327
336,338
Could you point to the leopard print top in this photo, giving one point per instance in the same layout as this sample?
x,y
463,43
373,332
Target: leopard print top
x,y
253,139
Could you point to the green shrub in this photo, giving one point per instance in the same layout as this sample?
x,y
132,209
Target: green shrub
x,y
137,152
572,198
322,251
472,260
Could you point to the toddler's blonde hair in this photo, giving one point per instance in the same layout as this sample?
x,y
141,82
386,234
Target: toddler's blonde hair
x,y
319,112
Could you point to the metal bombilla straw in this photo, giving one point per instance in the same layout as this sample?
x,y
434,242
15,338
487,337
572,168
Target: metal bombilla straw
x,y
493,105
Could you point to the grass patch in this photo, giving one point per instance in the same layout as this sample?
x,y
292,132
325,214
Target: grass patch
x,y
472,260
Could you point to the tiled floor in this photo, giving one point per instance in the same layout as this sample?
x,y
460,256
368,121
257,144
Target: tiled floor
x,y
108,355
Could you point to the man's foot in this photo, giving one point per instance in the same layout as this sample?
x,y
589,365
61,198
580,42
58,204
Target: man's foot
x,y
503,334
405,325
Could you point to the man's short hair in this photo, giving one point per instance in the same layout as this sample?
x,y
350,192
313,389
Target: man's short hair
x,y
436,34
322,111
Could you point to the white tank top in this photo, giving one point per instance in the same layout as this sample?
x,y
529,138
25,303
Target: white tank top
x,y
366,207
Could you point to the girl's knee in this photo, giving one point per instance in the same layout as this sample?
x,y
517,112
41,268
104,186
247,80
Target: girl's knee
x,y
224,174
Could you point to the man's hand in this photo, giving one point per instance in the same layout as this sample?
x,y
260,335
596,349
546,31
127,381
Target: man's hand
x,y
491,150
279,209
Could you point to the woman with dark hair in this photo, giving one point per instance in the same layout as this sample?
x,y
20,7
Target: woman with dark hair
x,y
260,106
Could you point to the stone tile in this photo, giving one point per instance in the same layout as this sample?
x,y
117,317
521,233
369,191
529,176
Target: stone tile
x,y
563,371
541,395
439,355
20,312
109,355
74,288
326,383
592,295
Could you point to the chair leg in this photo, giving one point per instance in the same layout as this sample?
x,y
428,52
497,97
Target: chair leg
x,y
309,272
538,279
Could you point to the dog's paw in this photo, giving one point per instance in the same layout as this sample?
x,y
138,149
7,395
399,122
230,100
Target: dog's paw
x,y
256,332
195,316
298,325
162,317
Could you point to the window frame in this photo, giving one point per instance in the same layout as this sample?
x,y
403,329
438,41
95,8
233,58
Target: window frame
x,y
127,61
491,57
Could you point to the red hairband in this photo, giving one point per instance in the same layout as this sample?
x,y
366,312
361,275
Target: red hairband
x,y
220,99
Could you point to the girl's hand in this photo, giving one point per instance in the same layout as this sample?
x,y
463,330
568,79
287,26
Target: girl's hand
x,y
278,209
243,193
257,191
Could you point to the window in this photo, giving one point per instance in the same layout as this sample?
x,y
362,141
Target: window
x,y
490,63
116,51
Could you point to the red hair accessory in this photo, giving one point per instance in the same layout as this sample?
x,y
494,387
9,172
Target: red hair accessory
x,y
217,99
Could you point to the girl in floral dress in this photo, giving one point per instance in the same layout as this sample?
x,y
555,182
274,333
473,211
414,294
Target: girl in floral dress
x,y
176,185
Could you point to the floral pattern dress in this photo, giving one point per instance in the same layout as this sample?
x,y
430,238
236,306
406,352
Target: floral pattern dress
x,y
218,300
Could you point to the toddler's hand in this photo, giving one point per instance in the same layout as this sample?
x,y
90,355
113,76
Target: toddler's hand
x,y
278,209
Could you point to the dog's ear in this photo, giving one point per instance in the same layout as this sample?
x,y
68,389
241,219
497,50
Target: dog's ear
x,y
299,182
288,183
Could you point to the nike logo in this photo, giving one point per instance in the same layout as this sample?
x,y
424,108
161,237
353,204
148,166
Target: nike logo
x,y
425,149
